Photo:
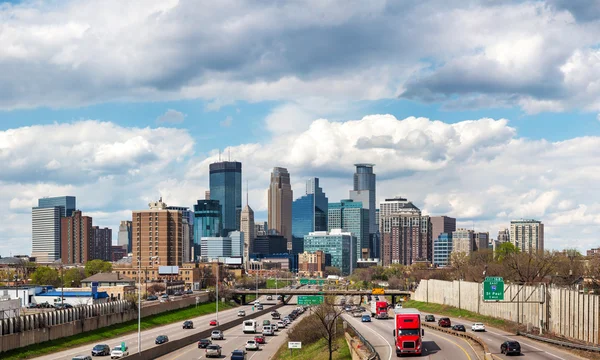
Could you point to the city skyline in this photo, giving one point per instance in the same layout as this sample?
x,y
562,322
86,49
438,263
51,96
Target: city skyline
x,y
462,117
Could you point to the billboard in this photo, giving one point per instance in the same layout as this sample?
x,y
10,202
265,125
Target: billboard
x,y
168,270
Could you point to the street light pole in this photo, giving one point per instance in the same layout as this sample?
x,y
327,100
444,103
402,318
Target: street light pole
x,y
62,288
217,293
139,305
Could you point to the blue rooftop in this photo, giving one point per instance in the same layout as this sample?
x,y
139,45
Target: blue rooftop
x,y
98,295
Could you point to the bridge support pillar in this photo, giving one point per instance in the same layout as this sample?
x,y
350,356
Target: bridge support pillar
x,y
394,299
243,299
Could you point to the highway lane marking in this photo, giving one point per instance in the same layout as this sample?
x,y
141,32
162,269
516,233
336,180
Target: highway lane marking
x,y
447,339
378,334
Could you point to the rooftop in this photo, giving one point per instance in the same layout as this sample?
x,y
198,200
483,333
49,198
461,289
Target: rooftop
x,y
99,295
108,277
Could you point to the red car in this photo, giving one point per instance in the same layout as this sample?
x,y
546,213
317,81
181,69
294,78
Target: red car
x,y
259,339
444,322
214,323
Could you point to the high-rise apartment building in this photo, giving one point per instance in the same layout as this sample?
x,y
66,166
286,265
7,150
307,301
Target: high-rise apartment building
x,y
207,223
463,240
45,234
442,248
405,233
188,230
157,236
309,213
248,229
67,204
76,239
503,236
311,264
337,244
351,216
225,181
442,224
482,241
101,244
124,237
527,235
280,197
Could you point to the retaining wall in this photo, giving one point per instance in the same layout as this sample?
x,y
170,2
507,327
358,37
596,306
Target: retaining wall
x,y
565,312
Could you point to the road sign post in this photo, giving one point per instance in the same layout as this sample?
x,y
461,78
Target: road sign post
x,y
493,289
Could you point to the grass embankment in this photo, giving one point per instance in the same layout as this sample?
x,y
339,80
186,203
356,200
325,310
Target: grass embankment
x,y
459,313
100,335
316,351
280,283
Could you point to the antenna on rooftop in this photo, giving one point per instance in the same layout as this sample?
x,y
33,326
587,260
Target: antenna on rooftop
x,y
247,203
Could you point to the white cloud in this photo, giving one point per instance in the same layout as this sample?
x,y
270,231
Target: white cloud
x,y
227,122
171,117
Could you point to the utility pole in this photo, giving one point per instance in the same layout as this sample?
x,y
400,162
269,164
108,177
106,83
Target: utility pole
x,y
139,304
62,288
217,292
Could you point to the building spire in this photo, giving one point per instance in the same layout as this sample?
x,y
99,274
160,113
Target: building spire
x,y
247,203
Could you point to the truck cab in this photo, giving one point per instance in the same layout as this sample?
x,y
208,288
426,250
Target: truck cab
x,y
408,335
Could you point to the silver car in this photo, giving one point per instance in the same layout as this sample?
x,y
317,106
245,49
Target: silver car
x,y
213,350
216,335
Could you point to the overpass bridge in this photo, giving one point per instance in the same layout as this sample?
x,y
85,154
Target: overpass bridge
x,y
288,293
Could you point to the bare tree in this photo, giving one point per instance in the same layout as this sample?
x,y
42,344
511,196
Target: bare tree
x,y
327,315
530,267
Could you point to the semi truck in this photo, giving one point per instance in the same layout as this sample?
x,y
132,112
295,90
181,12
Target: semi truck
x,y
408,335
379,309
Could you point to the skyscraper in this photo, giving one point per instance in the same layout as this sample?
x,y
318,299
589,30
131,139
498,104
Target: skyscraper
x,y
350,216
157,236
309,213
405,233
76,238
336,243
45,234
364,191
442,248
503,236
226,187
101,244
188,230
207,222
67,204
442,224
124,236
247,227
527,235
280,197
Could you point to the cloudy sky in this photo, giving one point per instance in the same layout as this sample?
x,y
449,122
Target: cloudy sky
x,y
482,110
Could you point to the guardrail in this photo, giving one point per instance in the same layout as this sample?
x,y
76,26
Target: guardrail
x,y
561,343
158,351
374,354
477,339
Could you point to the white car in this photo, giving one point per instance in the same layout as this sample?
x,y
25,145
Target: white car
x,y
477,327
269,297
117,352
241,313
251,345
281,324
275,326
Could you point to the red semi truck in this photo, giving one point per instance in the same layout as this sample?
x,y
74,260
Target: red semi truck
x,y
379,309
408,334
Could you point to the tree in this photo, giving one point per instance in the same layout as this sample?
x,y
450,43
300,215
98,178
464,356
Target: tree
x,y
97,266
526,267
460,263
332,270
156,288
505,249
593,273
327,315
73,277
45,275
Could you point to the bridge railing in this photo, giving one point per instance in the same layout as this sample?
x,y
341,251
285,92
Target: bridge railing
x,y
374,355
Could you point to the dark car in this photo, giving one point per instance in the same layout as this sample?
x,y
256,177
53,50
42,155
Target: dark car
x,y
459,328
152,298
238,355
444,322
189,292
177,293
203,343
366,318
429,318
510,347
275,315
259,307
161,339
101,350
188,324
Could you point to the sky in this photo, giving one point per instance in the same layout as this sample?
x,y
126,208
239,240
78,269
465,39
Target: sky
x,y
485,111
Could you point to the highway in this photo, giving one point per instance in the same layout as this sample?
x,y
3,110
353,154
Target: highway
x,y
173,331
436,345
531,349
235,339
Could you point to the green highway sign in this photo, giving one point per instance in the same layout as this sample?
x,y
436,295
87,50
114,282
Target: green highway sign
x,y
493,289
312,281
310,299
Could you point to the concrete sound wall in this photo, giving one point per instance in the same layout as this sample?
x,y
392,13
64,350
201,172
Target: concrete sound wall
x,y
566,312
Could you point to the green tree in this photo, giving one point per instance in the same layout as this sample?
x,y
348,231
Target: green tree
x,y
73,277
45,275
505,249
332,270
97,266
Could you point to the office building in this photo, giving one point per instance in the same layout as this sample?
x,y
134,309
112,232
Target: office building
x,y
207,222
311,264
482,241
269,245
101,244
247,227
76,239
260,229
527,235
67,204
207,195
364,191
215,247
124,237
337,244
188,230
237,243
351,216
442,224
157,236
45,234
463,240
279,198
503,236
442,248
405,233
117,253
309,214
225,181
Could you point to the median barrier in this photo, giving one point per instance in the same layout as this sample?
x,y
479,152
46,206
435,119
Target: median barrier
x,y
477,339
561,343
173,345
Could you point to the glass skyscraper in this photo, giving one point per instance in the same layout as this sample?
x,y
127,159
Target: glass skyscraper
x,y
350,216
207,222
442,248
336,244
309,213
67,204
225,184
